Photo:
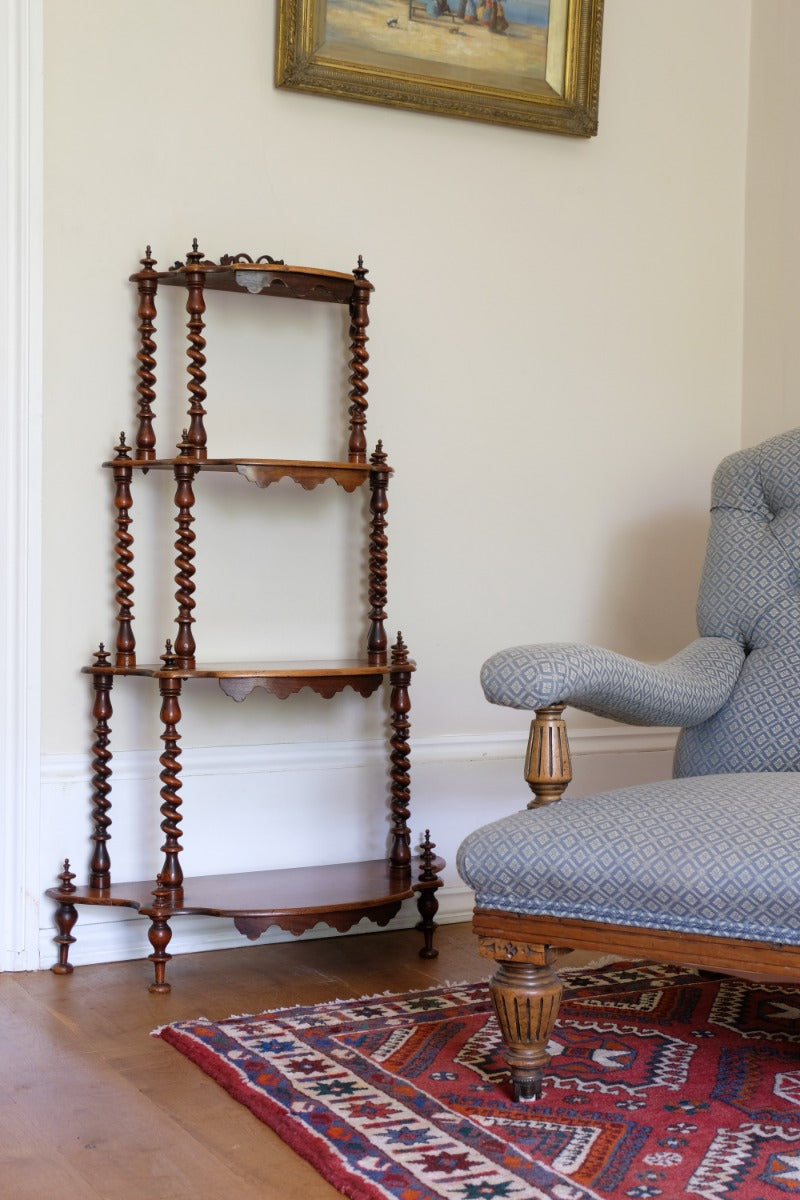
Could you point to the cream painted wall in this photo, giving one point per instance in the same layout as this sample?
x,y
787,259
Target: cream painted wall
x,y
771,344
555,369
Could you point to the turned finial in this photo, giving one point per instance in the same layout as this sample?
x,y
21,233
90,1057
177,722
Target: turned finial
x,y
378,456
148,262
101,656
123,449
66,878
399,651
427,874
360,271
160,894
168,657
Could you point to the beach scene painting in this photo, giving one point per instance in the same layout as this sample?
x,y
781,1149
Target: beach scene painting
x,y
503,41
534,64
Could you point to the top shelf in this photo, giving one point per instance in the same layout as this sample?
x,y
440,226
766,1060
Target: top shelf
x,y
260,276
264,276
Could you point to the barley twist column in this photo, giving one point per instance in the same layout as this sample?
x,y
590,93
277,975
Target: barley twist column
x,y
359,320
170,688
195,307
126,642
400,704
378,556
100,863
185,471
147,282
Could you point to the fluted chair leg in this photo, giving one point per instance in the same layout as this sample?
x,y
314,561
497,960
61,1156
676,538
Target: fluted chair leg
x,y
526,996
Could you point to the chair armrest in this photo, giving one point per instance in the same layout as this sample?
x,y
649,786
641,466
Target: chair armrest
x,y
686,689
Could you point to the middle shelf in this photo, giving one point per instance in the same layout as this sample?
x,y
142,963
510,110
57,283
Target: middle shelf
x,y
309,473
281,678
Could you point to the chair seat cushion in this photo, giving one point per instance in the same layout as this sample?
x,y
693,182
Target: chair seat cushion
x,y
714,854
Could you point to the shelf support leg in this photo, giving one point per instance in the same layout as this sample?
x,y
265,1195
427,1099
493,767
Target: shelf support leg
x,y
147,283
171,876
400,705
185,472
123,502
195,307
378,546
359,320
427,903
100,864
160,935
66,916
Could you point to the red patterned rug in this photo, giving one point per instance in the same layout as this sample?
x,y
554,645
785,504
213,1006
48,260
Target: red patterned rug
x,y
664,1083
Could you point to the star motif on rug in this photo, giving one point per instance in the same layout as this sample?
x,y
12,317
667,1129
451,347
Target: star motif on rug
x,y
486,1191
443,1162
336,1087
407,1135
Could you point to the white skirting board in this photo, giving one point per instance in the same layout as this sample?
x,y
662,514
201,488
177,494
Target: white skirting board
x,y
251,807
122,935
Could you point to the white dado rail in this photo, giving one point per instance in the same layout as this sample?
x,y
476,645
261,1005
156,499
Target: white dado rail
x,y
459,782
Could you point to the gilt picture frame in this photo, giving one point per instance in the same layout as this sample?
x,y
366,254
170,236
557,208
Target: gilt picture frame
x,y
533,64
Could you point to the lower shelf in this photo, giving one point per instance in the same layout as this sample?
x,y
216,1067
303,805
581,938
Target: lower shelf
x,y
293,899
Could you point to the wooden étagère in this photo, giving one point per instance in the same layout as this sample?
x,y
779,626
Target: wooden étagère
x,y
292,899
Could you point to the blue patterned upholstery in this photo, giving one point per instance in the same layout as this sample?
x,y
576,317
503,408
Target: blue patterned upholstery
x,y
667,855
736,690
690,687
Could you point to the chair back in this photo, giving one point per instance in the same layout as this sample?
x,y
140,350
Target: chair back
x,y
750,592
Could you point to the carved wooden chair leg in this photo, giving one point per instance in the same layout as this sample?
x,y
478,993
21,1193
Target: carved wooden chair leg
x,y
526,996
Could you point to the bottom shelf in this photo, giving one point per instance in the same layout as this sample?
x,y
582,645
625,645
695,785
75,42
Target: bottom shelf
x,y
293,899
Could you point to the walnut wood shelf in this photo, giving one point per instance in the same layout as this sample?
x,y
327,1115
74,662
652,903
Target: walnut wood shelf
x,y
293,899
239,273
280,679
264,471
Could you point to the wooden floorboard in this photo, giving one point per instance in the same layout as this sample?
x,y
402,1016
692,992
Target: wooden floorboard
x,y
94,1108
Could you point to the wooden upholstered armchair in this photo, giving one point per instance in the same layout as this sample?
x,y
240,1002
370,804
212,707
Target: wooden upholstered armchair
x,y
702,869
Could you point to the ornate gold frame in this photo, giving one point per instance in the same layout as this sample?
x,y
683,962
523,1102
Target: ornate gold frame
x,y
565,102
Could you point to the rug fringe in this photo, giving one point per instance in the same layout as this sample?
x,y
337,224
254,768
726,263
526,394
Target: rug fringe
x,y
388,994
603,961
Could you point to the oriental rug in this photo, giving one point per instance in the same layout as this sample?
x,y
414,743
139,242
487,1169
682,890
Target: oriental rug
x,y
664,1083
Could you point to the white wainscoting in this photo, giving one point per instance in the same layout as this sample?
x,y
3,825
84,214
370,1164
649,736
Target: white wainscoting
x,y
252,807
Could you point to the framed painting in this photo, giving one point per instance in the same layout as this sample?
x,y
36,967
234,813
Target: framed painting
x,y
534,64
